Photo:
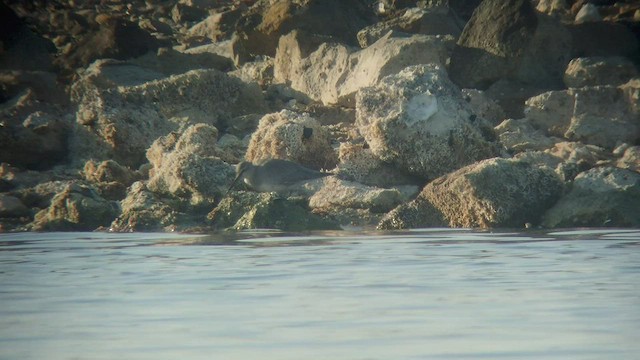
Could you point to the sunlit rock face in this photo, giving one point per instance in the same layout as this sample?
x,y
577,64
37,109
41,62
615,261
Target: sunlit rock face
x,y
418,120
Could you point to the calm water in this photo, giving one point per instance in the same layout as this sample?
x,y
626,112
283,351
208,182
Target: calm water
x,y
440,294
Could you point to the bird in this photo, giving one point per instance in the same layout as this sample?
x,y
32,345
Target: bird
x,y
274,175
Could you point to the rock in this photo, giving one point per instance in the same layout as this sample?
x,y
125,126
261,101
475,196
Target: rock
x,y
12,207
336,194
334,73
108,171
630,159
292,136
432,21
259,71
577,114
603,38
588,13
217,26
190,170
558,8
260,28
20,47
248,210
116,38
483,106
489,194
419,121
121,123
78,208
184,13
518,136
594,71
603,196
510,95
143,210
360,164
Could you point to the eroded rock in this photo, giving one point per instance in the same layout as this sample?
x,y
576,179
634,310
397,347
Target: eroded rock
x,y
594,71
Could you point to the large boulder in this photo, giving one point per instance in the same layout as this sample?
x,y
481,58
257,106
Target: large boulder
x,y
334,72
602,196
190,169
488,194
121,123
291,136
419,121
577,114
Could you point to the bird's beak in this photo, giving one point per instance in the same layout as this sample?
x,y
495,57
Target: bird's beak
x,y
233,183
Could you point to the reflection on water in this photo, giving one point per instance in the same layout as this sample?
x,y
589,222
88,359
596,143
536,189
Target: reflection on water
x,y
438,294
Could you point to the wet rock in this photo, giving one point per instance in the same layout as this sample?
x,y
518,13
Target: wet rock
x,y
291,136
121,123
491,193
431,21
334,73
190,170
518,135
418,120
603,196
144,210
245,210
260,28
12,207
78,208
594,71
578,114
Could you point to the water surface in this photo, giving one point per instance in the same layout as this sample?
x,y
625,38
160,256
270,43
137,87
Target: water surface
x,y
437,294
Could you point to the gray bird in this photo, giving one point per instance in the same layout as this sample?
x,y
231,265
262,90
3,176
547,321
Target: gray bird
x,y
274,175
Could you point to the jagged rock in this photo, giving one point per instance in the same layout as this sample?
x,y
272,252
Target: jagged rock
x,y
491,193
260,28
190,170
144,210
248,210
593,71
431,21
603,196
361,165
292,136
519,135
259,71
578,114
121,123
108,171
334,73
79,208
419,121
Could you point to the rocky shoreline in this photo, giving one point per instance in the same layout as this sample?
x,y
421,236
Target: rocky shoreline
x,y
130,116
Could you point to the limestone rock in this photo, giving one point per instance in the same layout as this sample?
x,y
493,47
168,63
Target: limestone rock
x,y
121,123
108,171
593,71
519,135
336,194
431,21
244,210
483,106
189,169
334,73
144,210
12,207
79,208
361,165
602,196
491,193
578,114
419,121
292,136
